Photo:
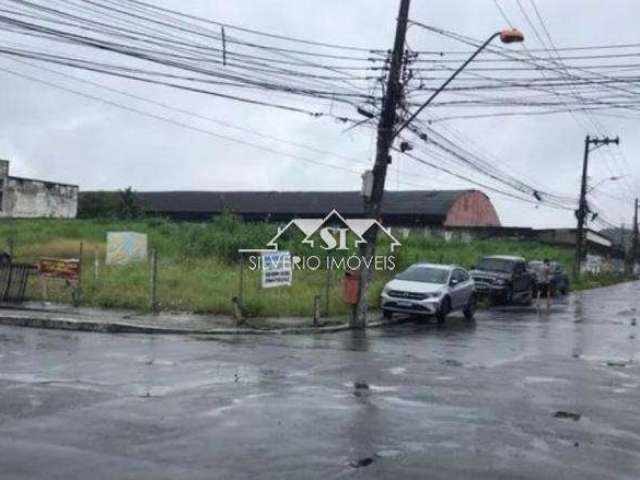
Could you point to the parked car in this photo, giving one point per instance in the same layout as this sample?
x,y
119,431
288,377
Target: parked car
x,y
559,278
431,290
504,279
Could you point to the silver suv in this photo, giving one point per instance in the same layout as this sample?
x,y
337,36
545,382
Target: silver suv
x,y
430,289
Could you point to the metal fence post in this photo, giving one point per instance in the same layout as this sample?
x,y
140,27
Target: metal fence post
x,y
327,287
96,264
77,296
5,290
153,304
316,310
241,286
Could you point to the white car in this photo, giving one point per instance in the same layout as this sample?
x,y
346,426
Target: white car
x,y
430,289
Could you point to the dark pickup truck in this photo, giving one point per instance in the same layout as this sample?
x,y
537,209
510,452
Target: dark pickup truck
x,y
504,279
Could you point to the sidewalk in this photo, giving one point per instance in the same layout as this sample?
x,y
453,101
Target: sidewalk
x,y
65,317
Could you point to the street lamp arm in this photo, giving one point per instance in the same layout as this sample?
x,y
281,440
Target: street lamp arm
x,y
406,123
507,36
608,179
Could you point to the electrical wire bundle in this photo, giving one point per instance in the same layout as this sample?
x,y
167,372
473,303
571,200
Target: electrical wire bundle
x,y
586,82
142,42
159,46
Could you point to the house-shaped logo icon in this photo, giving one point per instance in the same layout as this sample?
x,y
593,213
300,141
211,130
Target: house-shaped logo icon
x,y
332,232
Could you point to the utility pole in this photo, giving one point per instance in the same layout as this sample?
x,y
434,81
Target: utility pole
x,y
583,208
634,243
625,250
386,130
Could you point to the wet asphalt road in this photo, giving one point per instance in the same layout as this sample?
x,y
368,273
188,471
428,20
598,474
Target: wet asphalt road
x,y
462,401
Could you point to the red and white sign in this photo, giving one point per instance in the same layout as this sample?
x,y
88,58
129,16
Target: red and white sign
x,y
66,268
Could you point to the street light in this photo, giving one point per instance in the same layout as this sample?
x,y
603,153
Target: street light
x,y
509,35
608,179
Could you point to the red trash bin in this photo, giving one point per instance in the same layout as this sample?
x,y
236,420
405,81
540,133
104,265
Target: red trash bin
x,y
350,286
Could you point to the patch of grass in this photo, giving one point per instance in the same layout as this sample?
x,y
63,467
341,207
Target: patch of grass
x,y
198,266
605,279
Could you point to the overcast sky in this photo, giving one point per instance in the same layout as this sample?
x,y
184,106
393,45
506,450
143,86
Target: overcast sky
x,y
51,134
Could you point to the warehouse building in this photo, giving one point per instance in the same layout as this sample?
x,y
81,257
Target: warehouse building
x,y
409,209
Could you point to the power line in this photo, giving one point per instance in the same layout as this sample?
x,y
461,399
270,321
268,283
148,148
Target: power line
x,y
130,36
594,121
187,112
178,123
537,50
253,31
184,125
472,181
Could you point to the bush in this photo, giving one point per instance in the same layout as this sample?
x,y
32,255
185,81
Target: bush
x,y
223,237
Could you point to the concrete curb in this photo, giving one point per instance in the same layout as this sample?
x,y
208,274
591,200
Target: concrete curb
x,y
66,323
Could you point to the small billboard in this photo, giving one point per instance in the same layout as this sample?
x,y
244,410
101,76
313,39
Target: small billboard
x,y
126,247
65,268
276,269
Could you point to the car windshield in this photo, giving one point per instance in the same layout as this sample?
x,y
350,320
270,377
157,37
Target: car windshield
x,y
496,264
424,274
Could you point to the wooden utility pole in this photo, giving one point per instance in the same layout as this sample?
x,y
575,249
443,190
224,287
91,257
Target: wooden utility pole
x,y
386,131
634,243
581,213
583,208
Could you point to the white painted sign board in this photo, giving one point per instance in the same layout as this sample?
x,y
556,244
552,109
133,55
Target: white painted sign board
x,y
276,269
124,248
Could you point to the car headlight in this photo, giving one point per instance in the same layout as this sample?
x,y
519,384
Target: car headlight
x,y
499,281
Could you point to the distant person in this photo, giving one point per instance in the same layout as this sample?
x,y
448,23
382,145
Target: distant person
x,y
544,283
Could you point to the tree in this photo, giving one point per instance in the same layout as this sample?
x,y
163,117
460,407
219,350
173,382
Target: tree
x,y
97,204
122,204
129,206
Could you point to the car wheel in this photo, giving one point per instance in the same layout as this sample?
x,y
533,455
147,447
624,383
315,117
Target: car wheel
x,y
388,314
494,299
443,311
470,308
530,296
508,296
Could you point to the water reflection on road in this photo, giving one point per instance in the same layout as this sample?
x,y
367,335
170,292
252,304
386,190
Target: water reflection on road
x,y
475,400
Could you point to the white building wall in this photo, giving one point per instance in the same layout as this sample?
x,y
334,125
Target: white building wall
x,y
27,198
32,199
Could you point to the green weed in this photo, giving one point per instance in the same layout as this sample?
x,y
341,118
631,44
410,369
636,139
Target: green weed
x,y
199,270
